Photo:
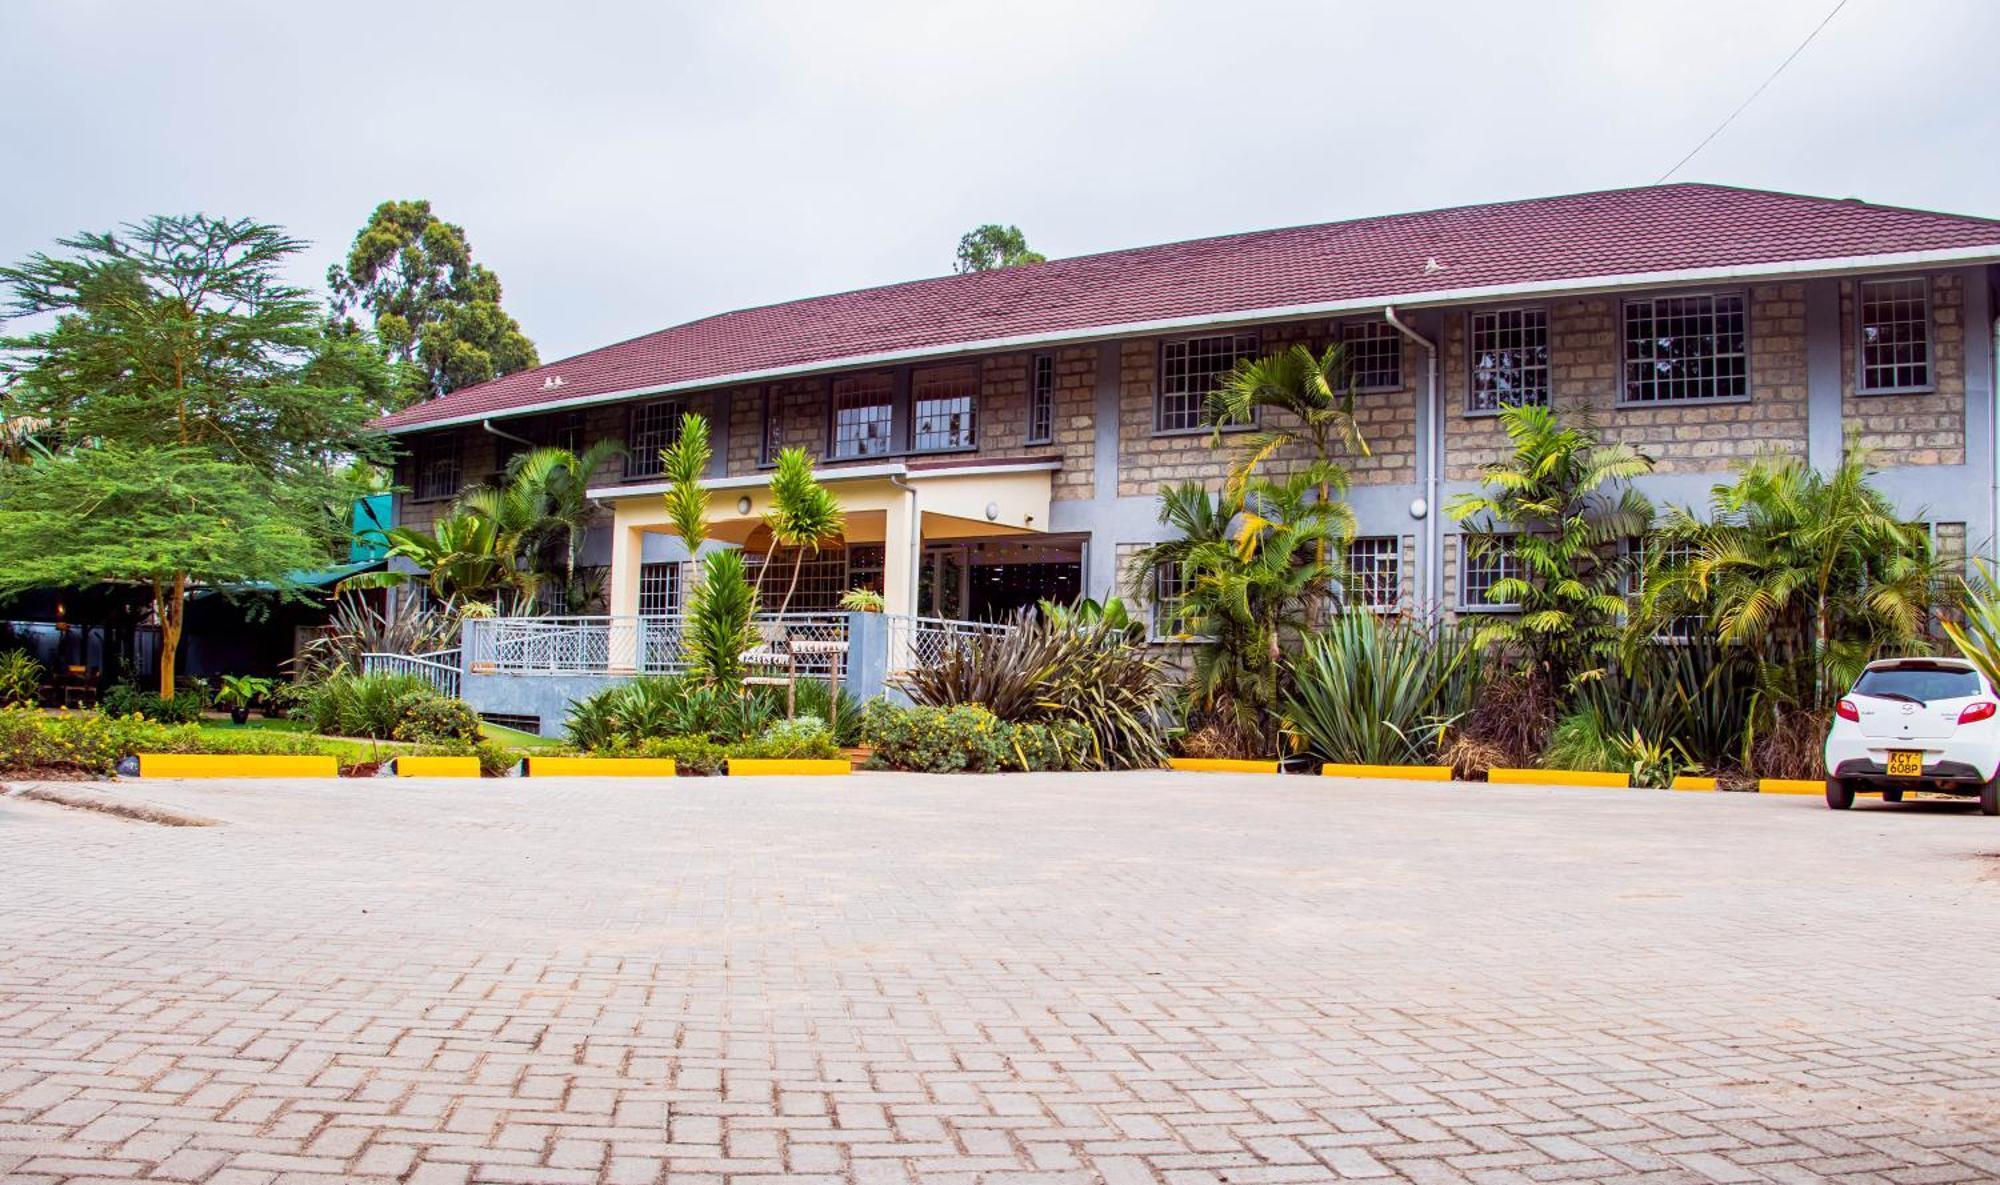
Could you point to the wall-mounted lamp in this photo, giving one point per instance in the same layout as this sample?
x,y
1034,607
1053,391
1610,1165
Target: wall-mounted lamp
x,y
743,504
992,511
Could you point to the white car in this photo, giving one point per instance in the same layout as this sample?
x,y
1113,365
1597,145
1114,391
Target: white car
x,y
1916,724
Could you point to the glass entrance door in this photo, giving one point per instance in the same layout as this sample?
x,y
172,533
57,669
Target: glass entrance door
x,y
941,581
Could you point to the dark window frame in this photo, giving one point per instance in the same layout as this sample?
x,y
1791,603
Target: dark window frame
x,y
1631,368
1861,325
1372,333
1041,400
1546,367
1199,424
1502,557
970,412
642,461
436,449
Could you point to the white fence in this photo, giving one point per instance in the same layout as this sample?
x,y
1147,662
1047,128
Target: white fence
x,y
920,641
815,643
439,667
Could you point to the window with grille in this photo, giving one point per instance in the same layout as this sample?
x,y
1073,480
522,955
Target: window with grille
x,y
659,589
1042,400
1485,561
1374,355
655,426
822,580
1645,551
864,567
768,434
1682,348
565,432
1170,588
1375,572
944,408
434,466
1510,358
1190,369
864,410
1895,336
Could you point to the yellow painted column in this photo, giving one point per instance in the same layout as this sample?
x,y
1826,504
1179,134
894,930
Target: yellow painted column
x,y
899,567
627,553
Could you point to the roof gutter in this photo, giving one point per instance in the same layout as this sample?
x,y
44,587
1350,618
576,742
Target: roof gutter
x,y
1791,269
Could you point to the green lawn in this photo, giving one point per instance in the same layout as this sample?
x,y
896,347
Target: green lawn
x,y
352,750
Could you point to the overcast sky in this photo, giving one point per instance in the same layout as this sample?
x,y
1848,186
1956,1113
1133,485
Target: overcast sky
x,y
626,166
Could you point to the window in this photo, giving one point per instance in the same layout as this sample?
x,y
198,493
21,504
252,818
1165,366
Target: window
x,y
1510,358
1374,355
659,589
1170,589
565,431
863,412
1919,681
1375,572
770,438
944,408
1485,561
1042,399
1681,348
1643,551
655,426
1895,350
822,579
1190,369
434,466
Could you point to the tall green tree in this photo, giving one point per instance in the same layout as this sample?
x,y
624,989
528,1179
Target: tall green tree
x,y
435,309
178,338
984,248
1810,575
1250,567
1558,508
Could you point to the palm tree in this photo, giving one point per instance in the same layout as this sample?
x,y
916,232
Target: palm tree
x,y
466,560
1813,575
1253,583
804,516
560,480
1313,396
1561,508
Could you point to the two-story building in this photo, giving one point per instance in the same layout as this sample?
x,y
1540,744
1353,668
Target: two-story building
x,y
1001,437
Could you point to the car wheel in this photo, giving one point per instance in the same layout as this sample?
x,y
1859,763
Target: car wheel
x,y
1892,796
1840,795
1989,797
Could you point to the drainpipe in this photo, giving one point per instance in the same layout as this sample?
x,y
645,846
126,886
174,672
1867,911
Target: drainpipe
x,y
1433,460
487,425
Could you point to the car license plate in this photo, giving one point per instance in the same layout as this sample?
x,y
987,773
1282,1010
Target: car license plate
x,y
1906,763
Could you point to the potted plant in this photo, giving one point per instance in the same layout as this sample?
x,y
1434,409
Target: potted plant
x,y
862,600
239,692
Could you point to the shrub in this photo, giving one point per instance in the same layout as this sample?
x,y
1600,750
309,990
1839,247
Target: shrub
x,y
93,742
805,737
360,705
656,707
1042,670
961,738
20,679
698,756
429,718
1056,745
185,706
1380,693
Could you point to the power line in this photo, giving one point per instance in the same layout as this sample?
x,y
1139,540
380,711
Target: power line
x,y
1753,94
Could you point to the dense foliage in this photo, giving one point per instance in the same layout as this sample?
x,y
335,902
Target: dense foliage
x,y
967,738
435,310
92,743
698,724
1381,692
993,245
1043,670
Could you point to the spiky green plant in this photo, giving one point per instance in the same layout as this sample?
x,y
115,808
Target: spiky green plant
x,y
1559,505
718,629
804,516
1373,692
684,464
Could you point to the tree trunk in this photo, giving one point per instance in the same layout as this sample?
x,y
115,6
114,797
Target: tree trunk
x,y
167,610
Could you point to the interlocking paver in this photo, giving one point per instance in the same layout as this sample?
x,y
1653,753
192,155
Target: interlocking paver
x,y
1105,980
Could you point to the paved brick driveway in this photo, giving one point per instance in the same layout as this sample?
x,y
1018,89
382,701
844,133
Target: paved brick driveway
x,y
1061,979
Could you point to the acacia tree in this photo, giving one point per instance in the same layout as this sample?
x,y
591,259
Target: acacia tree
x,y
172,365
984,248
435,310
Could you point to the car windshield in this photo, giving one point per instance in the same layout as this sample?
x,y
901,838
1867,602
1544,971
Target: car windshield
x,y
1919,684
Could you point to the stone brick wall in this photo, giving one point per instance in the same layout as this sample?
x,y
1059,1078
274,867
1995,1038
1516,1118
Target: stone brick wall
x,y
1586,359
1148,460
1926,428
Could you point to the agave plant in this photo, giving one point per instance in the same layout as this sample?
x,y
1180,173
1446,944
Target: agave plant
x,y
1376,692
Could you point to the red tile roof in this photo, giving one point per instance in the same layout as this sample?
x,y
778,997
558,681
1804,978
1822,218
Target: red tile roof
x,y
1666,228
